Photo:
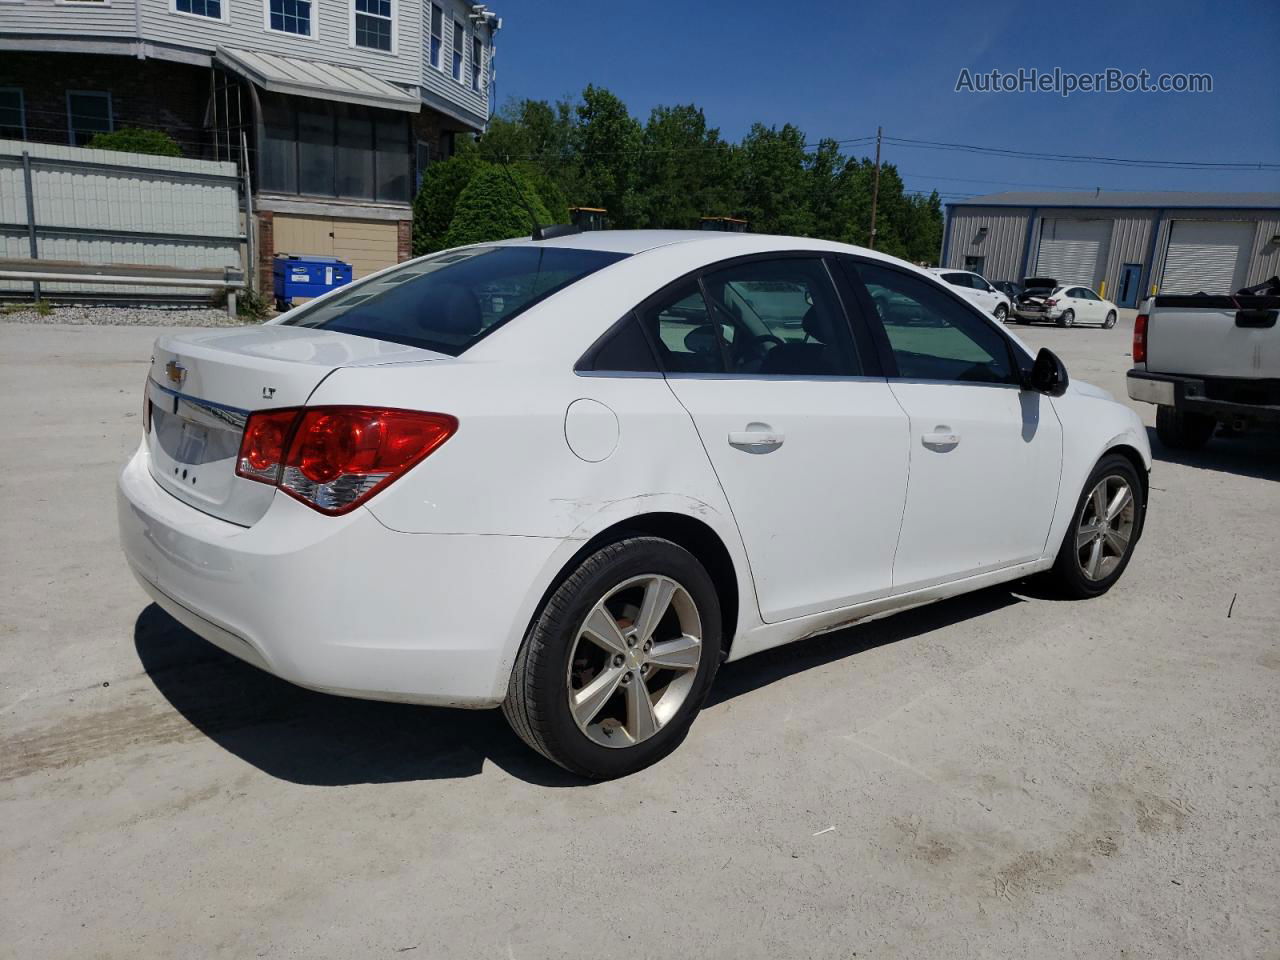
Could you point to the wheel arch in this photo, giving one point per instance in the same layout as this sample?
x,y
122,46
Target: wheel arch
x,y
694,535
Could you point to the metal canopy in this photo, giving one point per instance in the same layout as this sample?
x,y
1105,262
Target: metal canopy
x,y
313,78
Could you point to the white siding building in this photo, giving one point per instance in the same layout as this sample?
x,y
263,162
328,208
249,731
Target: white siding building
x,y
340,103
1127,245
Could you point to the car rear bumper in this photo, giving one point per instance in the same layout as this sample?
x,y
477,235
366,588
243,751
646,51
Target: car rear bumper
x,y
338,604
1193,394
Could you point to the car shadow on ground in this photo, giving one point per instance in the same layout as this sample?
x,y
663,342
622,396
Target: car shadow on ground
x,y
1255,454
317,739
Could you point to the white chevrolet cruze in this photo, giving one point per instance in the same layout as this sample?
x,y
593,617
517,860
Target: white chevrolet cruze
x,y
571,476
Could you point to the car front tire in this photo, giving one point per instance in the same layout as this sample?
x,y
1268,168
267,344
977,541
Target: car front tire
x,y
1002,312
1104,529
619,660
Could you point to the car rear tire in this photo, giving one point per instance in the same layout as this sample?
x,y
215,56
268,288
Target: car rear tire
x,y
619,660
1183,430
1068,318
1104,529
1110,322
1001,312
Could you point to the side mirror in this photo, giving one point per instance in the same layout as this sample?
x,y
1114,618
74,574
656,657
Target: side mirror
x,y
1048,374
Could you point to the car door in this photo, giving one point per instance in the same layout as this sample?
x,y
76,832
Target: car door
x,y
1093,306
1077,303
802,430
986,455
963,284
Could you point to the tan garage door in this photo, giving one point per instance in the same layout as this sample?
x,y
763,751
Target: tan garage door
x,y
368,245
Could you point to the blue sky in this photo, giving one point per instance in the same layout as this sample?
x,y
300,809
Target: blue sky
x,y
837,69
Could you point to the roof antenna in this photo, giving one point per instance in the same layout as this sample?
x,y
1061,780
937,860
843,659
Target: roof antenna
x,y
539,232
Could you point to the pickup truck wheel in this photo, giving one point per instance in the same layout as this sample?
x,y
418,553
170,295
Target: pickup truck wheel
x,y
619,660
1068,318
1110,322
1104,529
1182,430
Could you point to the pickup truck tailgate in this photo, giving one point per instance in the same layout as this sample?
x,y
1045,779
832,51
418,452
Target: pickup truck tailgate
x,y
1208,342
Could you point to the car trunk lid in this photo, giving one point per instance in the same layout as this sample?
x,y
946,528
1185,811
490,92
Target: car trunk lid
x,y
203,386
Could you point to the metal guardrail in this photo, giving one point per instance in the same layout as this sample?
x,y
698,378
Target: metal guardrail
x,y
64,271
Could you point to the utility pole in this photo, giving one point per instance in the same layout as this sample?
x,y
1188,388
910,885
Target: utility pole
x,y
875,191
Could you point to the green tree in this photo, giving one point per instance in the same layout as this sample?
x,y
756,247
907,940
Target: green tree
x,y
773,181
433,207
684,170
493,207
136,140
606,143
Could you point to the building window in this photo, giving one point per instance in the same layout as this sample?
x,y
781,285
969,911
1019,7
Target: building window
x,y
88,113
13,114
324,149
477,62
457,51
200,8
373,24
290,16
437,35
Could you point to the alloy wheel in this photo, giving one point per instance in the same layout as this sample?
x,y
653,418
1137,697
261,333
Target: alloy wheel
x,y
634,660
1105,528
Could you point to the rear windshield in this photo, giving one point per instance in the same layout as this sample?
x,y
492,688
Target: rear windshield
x,y
448,302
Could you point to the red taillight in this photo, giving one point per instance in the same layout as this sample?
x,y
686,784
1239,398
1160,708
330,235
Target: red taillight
x,y
338,457
263,444
1051,303
1140,339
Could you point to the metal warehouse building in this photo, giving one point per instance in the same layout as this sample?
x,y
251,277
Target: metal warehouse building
x,y
1123,245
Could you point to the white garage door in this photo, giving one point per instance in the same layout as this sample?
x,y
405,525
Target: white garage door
x,y
1207,256
1074,251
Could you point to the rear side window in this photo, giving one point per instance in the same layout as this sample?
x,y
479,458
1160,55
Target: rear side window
x,y
932,335
448,302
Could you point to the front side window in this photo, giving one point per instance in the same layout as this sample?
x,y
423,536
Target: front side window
x,y
448,302
290,16
88,114
477,62
200,8
437,35
373,24
958,279
457,51
13,114
932,335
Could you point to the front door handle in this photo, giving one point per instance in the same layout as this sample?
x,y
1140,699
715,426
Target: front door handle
x,y
756,441
942,439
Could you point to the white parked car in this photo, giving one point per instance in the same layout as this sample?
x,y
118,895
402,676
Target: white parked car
x,y
661,451
974,287
1064,304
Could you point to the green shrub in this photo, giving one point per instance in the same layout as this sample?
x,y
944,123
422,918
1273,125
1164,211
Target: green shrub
x,y
135,140
442,183
492,208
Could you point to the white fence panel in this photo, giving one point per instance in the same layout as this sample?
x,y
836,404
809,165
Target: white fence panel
x,y
106,207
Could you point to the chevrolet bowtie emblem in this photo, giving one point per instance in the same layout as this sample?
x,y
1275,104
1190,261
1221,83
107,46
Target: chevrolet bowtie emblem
x,y
175,371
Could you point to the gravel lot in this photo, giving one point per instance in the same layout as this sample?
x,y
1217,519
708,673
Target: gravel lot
x,y
122,316
1000,775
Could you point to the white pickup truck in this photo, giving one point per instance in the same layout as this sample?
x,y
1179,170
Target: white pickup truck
x,y
1207,360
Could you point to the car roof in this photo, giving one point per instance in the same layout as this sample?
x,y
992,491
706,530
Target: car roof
x,y
733,244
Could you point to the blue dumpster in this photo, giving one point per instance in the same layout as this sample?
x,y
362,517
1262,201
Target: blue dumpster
x,y
306,277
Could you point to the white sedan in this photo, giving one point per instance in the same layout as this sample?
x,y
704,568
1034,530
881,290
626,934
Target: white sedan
x,y
656,452
1064,304
975,288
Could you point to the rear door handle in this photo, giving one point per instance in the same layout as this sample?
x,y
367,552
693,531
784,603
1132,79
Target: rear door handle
x,y
943,439
755,441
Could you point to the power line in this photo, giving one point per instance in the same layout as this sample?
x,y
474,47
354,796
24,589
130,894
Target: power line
x,y
1081,158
